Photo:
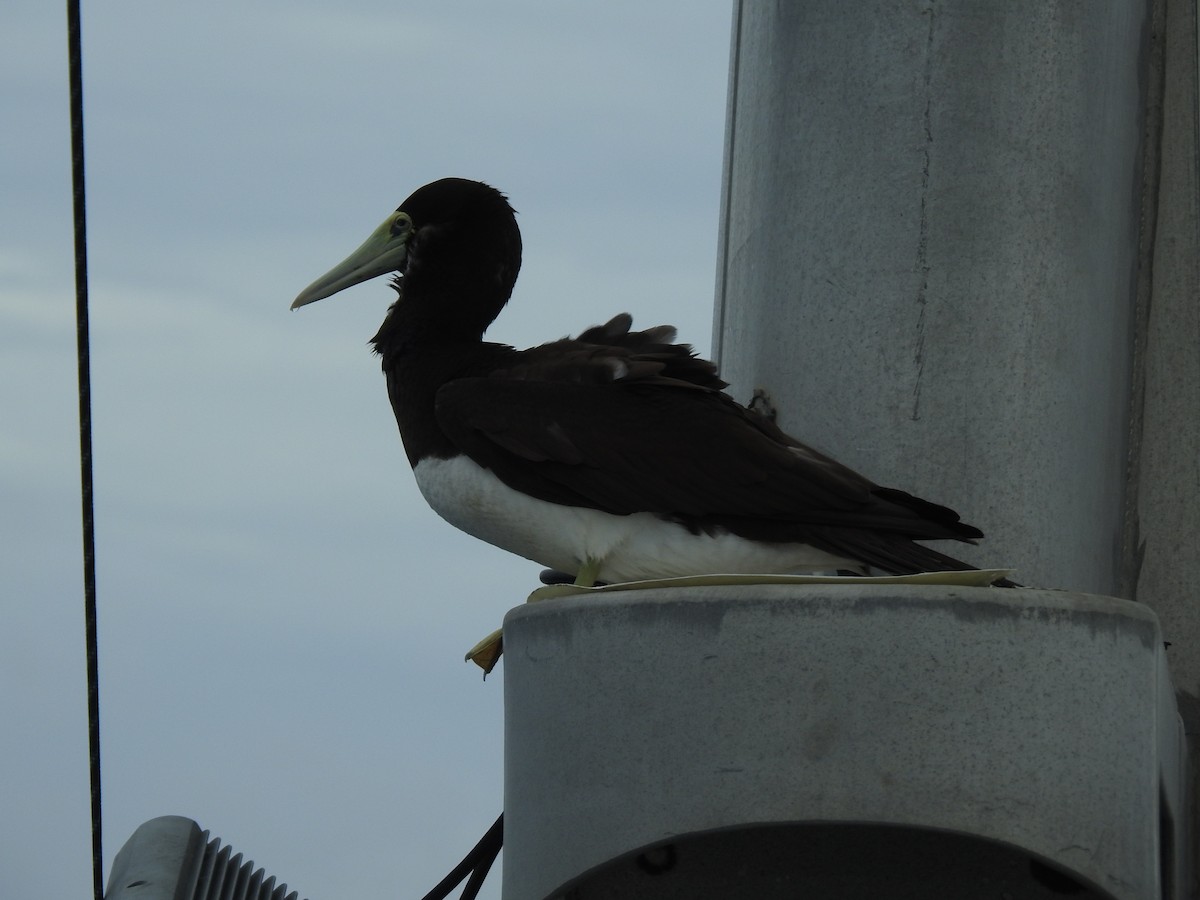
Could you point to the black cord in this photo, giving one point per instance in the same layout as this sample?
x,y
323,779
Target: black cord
x,y
476,864
75,55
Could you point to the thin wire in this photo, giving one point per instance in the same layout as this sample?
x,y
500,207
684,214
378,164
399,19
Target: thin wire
x,y
75,55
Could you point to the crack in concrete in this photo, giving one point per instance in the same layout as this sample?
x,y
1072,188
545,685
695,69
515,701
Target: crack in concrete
x,y
923,226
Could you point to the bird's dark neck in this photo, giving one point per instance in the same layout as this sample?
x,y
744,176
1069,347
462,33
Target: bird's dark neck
x,y
420,353
436,308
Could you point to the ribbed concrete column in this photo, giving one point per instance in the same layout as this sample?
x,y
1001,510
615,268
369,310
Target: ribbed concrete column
x,y
930,255
842,741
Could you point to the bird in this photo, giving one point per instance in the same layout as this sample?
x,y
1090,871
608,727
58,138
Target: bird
x,y
614,456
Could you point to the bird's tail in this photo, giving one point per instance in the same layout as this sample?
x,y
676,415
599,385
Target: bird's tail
x,y
894,555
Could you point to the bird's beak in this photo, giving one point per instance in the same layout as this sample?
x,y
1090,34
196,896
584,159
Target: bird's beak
x,y
386,250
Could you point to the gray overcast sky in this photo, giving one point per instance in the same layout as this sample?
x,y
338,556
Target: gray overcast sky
x,y
282,619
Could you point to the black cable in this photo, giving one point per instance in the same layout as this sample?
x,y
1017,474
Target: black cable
x,y
476,864
489,849
75,56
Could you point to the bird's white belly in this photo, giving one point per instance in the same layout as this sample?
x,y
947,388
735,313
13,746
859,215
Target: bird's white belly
x,y
628,548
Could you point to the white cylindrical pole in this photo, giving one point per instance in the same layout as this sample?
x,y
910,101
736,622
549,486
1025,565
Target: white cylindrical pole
x,y
930,256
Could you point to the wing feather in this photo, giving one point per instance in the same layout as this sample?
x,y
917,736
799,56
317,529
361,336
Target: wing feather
x,y
650,446
627,421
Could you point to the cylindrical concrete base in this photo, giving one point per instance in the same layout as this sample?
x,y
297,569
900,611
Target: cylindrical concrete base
x,y
647,731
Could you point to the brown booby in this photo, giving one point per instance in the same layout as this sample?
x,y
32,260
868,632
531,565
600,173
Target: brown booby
x,y
614,456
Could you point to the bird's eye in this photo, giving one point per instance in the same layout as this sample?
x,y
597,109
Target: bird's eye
x,y
401,223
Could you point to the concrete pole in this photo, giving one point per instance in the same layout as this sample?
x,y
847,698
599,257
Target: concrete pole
x,y
930,256
959,253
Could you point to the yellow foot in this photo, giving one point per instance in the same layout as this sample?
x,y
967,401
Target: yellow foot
x,y
588,573
487,652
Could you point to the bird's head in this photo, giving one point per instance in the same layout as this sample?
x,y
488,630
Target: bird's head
x,y
452,242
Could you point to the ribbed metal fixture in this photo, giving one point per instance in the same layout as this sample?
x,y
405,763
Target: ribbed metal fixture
x,y
172,858
223,876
